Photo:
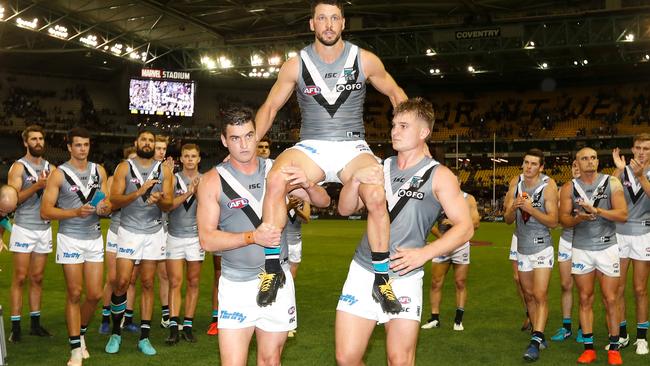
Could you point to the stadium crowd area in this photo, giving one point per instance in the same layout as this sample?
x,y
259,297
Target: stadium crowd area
x,y
594,114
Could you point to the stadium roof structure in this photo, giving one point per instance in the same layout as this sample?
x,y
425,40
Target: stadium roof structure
x,y
415,38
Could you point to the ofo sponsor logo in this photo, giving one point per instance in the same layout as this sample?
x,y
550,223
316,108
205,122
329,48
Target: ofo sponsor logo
x,y
238,203
348,87
350,299
411,194
311,90
292,310
234,315
292,319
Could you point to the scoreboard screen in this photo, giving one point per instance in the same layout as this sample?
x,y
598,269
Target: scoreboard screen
x,y
162,97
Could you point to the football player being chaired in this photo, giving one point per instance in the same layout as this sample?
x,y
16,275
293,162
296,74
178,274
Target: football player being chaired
x,y
329,77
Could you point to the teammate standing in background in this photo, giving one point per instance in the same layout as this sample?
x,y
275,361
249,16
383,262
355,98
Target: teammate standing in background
x,y
31,237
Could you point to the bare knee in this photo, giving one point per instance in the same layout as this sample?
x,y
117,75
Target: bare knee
x,y
460,284
74,294
436,283
276,182
401,358
19,278
147,284
640,291
567,284
36,279
586,299
374,198
175,281
193,282
346,358
268,360
540,297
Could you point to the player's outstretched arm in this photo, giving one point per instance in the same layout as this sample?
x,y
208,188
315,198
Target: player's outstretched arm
x,y
207,219
278,96
377,75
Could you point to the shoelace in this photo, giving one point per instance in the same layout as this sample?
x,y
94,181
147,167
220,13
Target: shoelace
x,y
266,280
387,290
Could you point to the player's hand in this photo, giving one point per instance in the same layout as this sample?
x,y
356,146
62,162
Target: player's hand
x,y
295,176
147,184
619,160
637,168
294,202
85,210
103,208
154,198
407,259
267,235
42,179
587,207
584,216
373,174
193,185
524,204
169,162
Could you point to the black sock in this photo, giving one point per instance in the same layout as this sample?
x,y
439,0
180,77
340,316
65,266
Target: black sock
x,y
613,343
35,317
641,330
187,324
165,312
145,326
83,330
566,324
118,304
75,342
272,260
15,323
128,317
588,340
434,317
215,316
106,314
380,265
537,339
622,329
459,315
173,326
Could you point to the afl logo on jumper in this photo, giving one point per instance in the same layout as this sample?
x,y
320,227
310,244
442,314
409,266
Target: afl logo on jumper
x,y
74,188
238,203
311,90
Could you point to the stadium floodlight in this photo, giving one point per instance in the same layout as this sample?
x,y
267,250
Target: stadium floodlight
x,y
208,62
129,49
117,49
274,60
133,55
647,57
256,60
530,45
143,56
58,31
29,24
89,40
291,54
434,71
471,68
629,37
225,62
430,52
266,74
585,62
543,65
2,12
575,63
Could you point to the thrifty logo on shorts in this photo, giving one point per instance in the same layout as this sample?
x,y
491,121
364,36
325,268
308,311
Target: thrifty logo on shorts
x,y
350,299
21,245
128,251
235,315
578,266
71,255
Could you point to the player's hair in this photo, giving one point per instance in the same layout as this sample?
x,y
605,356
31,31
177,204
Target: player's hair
x,y
128,151
162,138
77,132
641,137
190,147
421,107
315,3
143,131
32,128
537,153
265,139
236,116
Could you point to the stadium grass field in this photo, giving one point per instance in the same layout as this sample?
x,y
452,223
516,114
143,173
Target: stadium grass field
x,y
492,318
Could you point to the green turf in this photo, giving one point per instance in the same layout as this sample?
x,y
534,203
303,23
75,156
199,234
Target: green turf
x,y
492,319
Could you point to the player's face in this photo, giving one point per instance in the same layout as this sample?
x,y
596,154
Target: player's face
x,y
35,144
263,149
161,151
587,161
190,159
241,142
575,170
408,132
79,148
144,146
641,151
327,24
531,166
